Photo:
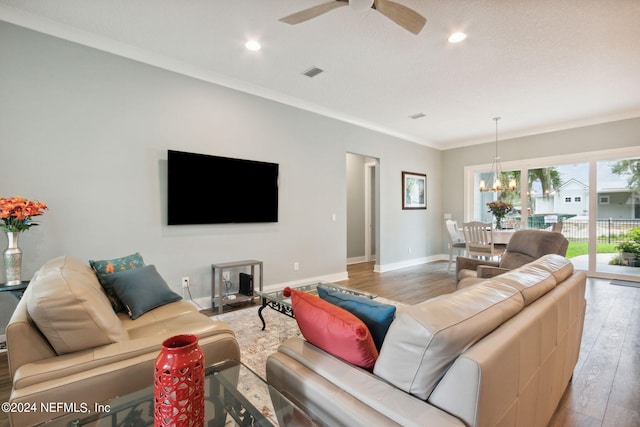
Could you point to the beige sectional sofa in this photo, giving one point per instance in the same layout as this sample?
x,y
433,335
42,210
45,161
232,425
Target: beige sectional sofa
x,y
66,344
497,353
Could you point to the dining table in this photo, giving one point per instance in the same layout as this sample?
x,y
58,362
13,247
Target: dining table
x,y
502,237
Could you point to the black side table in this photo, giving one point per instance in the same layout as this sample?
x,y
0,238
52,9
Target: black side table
x,y
16,290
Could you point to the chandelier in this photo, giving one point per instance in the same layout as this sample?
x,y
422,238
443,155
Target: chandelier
x,y
496,172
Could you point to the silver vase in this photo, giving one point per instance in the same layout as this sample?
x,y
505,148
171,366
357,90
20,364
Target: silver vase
x,y
13,259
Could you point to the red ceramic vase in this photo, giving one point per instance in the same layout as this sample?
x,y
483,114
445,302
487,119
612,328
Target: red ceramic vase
x,y
179,383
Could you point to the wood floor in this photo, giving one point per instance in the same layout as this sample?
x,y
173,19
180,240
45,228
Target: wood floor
x,y
605,390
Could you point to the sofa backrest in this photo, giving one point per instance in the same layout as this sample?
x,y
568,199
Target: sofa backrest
x,y
538,277
70,308
425,339
526,246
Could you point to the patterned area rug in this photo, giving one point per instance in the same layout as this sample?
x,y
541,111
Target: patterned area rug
x,y
256,344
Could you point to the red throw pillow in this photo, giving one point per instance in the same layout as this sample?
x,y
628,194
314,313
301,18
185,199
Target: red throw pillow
x,y
333,329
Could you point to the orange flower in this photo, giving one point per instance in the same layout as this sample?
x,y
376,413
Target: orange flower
x,y
16,213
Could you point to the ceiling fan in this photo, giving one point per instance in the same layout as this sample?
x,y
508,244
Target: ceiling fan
x,y
408,19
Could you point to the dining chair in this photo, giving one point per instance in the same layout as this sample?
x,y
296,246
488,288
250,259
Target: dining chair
x,y
456,239
478,237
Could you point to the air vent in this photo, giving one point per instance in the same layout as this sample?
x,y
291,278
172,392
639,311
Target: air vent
x,y
313,71
417,116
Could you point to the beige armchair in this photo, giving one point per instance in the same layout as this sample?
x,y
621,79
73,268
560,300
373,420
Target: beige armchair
x,y
456,240
524,247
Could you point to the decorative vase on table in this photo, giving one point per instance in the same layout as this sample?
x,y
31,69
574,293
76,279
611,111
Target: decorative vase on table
x,y
13,259
16,215
179,383
499,210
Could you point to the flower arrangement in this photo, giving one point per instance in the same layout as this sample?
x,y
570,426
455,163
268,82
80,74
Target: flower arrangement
x,y
16,213
499,211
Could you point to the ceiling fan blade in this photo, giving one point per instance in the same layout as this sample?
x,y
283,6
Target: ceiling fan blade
x,y
408,19
312,12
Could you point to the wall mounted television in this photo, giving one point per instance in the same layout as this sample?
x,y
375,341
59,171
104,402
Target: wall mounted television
x,y
205,189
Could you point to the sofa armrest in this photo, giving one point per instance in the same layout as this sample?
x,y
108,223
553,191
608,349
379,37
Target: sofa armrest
x,y
24,340
468,267
472,263
307,375
101,375
57,367
488,271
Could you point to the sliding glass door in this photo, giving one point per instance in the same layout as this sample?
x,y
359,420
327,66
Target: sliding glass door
x,y
594,202
618,216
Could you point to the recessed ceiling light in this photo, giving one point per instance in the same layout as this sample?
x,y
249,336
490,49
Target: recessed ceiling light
x,y
252,45
457,37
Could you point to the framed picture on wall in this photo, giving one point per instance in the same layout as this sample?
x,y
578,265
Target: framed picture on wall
x,y
414,190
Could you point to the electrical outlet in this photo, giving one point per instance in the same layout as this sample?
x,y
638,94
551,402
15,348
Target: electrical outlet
x,y
409,251
185,282
296,266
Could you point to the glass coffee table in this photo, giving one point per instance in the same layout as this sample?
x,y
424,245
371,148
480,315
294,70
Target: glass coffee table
x,y
278,302
234,396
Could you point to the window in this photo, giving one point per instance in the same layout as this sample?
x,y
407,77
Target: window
x,y
598,201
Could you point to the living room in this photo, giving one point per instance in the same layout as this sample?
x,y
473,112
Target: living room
x,y
87,131
92,130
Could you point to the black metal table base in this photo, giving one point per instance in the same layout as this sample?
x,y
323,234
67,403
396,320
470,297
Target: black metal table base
x,y
277,306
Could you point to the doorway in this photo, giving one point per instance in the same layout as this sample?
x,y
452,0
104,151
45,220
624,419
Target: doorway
x,y
362,209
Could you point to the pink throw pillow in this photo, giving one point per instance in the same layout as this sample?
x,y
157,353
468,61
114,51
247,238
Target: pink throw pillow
x,y
333,329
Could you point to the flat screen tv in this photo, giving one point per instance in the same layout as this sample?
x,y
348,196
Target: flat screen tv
x,y
205,189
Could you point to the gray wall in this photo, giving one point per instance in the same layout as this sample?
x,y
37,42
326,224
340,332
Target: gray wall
x,y
87,132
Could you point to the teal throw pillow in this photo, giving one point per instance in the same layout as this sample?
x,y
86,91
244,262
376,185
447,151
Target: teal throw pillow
x,y
375,315
107,266
141,289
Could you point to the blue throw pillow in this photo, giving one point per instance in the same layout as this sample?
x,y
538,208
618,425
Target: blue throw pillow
x,y
106,266
375,315
141,289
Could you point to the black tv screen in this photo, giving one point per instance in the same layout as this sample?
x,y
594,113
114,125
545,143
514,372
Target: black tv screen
x,y
205,189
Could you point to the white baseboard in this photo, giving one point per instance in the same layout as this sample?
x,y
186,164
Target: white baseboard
x,y
335,277
359,260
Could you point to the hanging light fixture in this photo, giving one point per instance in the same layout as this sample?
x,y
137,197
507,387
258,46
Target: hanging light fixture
x,y
496,172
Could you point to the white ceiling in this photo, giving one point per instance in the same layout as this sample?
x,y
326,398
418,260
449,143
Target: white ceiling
x,y
541,65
